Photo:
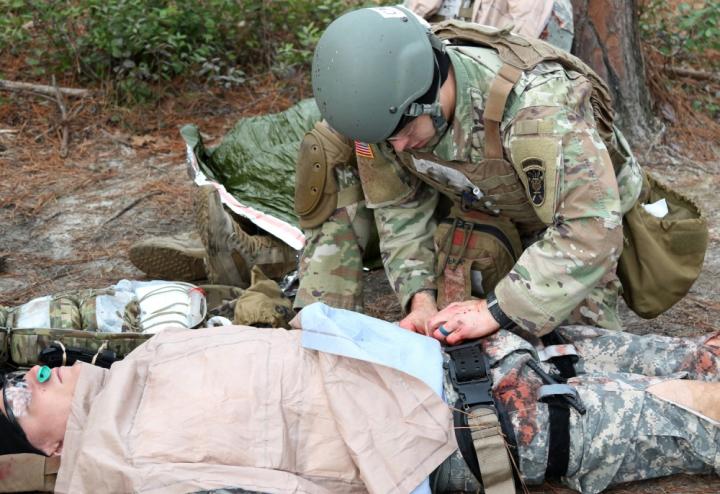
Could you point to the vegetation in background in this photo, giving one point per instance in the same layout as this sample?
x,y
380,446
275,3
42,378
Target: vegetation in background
x,y
134,49
686,36
131,47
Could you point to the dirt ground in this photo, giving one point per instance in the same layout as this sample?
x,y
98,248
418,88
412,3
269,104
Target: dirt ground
x,y
68,223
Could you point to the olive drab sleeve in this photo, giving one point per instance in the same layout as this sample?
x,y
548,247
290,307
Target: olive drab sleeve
x,y
558,148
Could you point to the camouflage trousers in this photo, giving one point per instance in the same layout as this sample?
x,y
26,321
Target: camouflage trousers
x,y
627,433
331,264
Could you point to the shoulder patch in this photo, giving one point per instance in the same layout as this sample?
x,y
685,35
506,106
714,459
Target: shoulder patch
x,y
534,169
537,161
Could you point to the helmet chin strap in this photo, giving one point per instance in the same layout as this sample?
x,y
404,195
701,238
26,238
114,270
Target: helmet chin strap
x,y
433,109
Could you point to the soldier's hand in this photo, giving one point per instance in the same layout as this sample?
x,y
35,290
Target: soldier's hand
x,y
422,308
461,321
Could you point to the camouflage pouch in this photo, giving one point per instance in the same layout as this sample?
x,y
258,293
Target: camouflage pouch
x,y
28,473
662,257
474,254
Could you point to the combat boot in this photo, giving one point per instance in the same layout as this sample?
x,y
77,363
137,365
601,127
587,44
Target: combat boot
x,y
231,251
174,258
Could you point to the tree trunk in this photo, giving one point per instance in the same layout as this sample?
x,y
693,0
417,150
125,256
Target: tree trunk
x,y
607,38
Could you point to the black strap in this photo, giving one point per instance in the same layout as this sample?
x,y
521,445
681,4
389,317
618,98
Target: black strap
x,y
497,313
52,356
469,372
564,364
559,438
559,427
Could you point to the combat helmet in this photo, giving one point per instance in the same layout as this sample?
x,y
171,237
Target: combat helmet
x,y
373,68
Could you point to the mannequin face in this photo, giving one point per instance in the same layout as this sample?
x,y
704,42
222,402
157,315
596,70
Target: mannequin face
x,y
45,417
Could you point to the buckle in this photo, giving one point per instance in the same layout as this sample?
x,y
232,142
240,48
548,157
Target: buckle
x,y
550,391
469,373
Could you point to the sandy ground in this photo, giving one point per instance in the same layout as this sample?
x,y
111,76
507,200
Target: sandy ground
x,y
70,225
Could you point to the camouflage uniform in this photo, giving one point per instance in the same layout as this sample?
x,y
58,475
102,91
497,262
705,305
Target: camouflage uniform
x,y
560,28
572,239
627,433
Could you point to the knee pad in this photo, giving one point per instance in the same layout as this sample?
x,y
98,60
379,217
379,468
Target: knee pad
x,y
316,190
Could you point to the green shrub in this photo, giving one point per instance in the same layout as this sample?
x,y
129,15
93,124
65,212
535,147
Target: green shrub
x,y
131,46
685,33
686,36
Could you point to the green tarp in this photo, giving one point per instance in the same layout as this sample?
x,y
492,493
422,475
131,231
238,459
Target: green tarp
x,y
256,160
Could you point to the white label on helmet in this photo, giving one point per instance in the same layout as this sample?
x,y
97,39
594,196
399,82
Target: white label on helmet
x,y
389,12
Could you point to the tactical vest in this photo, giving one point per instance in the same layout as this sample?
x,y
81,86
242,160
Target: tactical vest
x,y
495,186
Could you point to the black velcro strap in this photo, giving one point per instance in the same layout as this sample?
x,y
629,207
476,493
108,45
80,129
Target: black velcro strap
x,y
469,371
559,440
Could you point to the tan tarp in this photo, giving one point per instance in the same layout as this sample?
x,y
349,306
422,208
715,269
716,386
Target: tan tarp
x,y
247,407
528,17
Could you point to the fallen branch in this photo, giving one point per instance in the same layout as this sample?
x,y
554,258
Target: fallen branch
x,y
694,74
42,89
129,207
63,120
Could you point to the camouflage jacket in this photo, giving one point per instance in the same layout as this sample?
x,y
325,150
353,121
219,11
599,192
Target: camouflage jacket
x,y
573,234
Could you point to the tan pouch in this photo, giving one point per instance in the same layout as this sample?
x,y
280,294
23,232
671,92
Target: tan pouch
x,y
263,304
662,257
27,472
473,255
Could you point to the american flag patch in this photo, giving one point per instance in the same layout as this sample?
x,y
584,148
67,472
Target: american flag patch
x,y
363,150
